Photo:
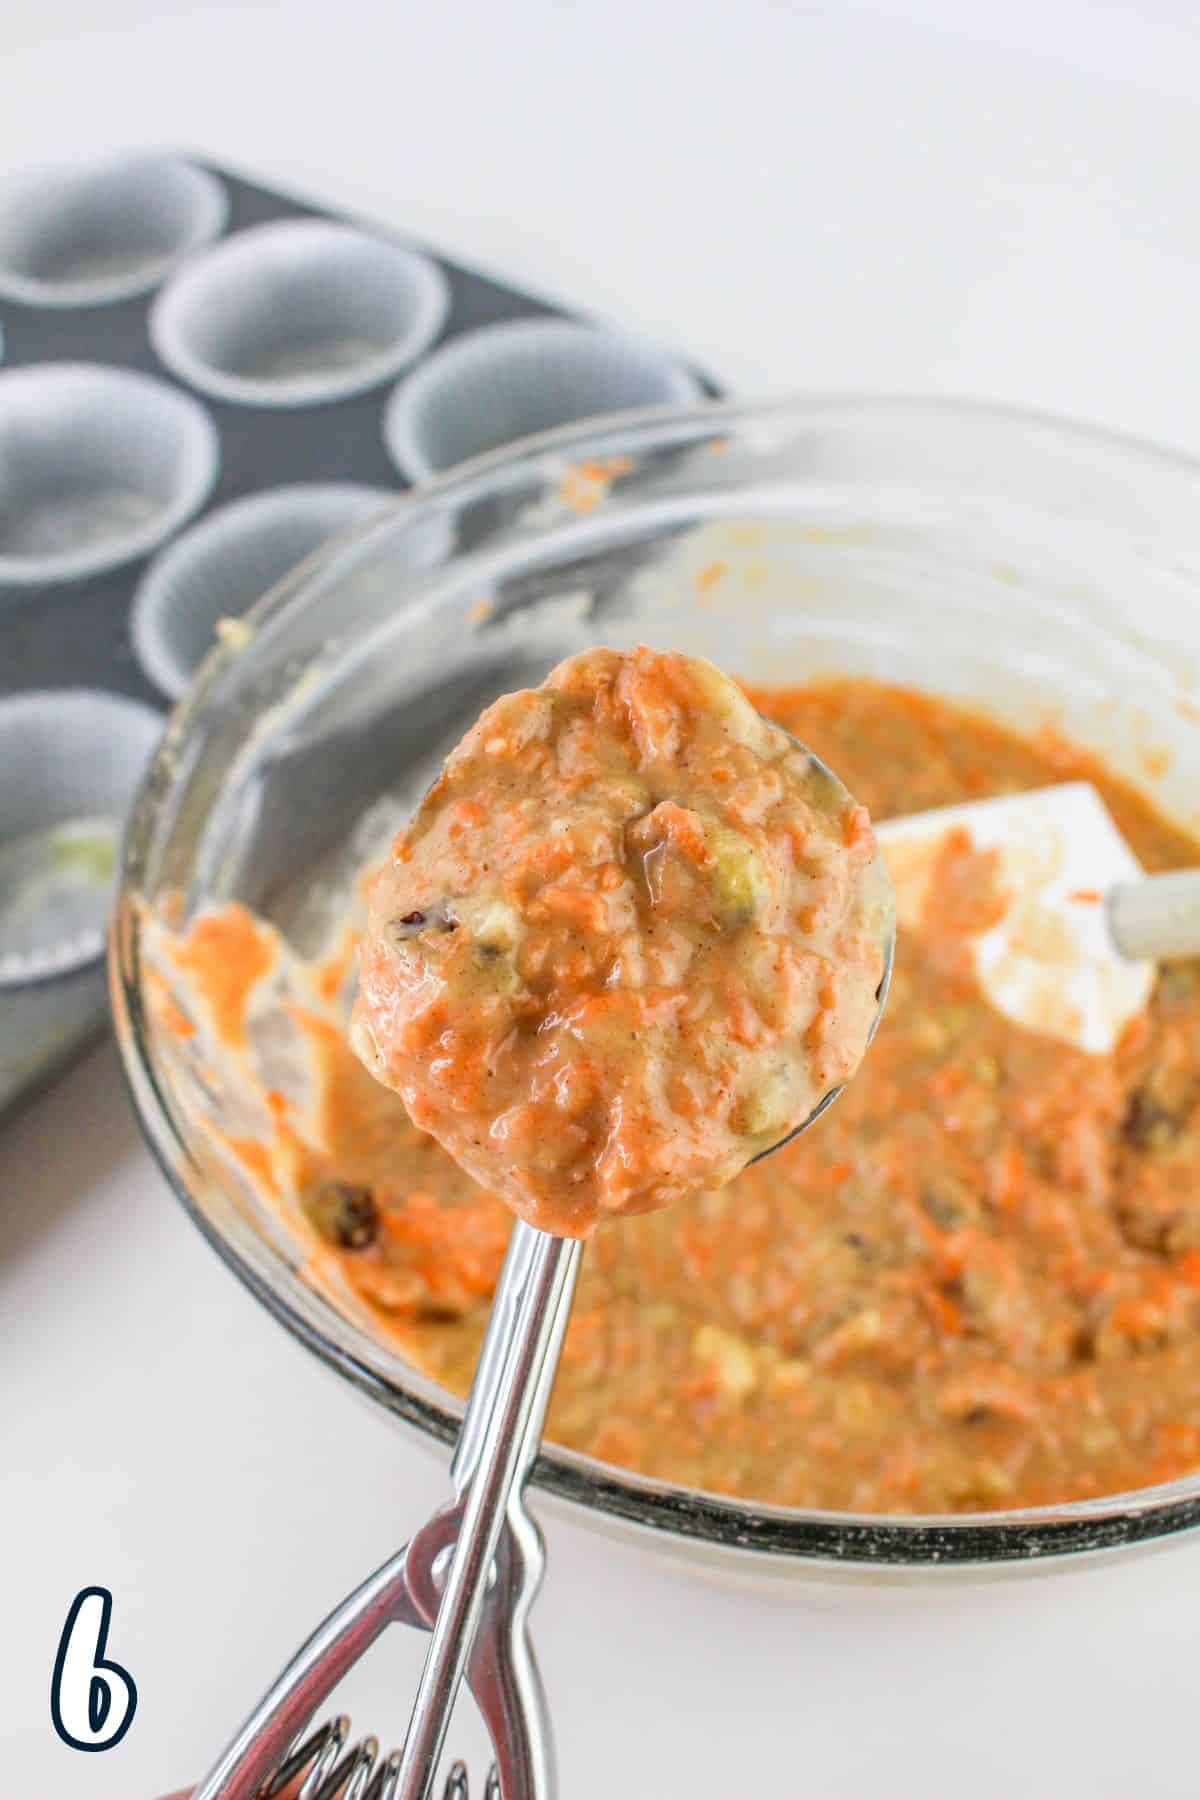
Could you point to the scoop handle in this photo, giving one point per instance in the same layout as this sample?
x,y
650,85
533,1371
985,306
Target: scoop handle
x,y
1157,920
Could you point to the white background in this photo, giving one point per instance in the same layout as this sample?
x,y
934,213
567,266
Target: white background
x,y
802,201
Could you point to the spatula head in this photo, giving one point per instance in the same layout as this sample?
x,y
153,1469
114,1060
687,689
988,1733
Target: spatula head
x,y
1043,953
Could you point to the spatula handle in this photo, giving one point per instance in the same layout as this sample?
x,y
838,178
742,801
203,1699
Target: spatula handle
x,y
1157,920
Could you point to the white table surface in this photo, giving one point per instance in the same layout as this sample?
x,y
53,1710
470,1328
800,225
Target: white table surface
x,y
802,203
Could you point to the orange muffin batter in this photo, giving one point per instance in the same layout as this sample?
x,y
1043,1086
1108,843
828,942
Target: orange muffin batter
x,y
632,936
974,1284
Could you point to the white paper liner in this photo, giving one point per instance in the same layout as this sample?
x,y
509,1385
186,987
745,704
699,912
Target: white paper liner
x,y
508,381
298,312
97,466
222,565
70,763
85,233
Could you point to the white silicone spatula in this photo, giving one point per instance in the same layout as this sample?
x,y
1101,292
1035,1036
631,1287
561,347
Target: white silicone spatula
x,y
1072,953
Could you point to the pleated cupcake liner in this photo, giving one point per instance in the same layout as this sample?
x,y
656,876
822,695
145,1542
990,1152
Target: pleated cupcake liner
x,y
97,466
70,763
508,381
222,565
298,312
86,233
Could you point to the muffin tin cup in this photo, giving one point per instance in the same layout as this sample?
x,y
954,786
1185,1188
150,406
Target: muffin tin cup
x,y
298,312
97,466
101,476
221,566
89,233
70,763
509,381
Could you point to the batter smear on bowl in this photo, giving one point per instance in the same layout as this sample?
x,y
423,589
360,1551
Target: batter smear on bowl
x,y
631,938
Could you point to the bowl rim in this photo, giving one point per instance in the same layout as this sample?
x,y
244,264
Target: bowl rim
x,y
666,1515
226,532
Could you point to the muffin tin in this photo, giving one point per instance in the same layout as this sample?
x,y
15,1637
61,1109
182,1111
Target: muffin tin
x,y
201,380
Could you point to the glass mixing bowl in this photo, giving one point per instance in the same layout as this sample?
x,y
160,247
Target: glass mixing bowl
x,y
1042,571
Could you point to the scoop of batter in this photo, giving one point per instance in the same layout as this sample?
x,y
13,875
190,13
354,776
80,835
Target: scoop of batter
x,y
632,936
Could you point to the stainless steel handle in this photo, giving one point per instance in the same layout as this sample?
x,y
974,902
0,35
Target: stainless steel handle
x,y
496,1450
478,1613
334,1647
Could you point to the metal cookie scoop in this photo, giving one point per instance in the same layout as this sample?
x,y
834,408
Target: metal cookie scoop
x,y
469,1576
442,1581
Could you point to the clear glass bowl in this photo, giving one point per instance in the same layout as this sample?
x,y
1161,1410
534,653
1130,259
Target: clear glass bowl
x,y
1043,571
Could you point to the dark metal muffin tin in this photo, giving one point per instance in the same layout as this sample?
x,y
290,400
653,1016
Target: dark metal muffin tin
x,y
75,634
